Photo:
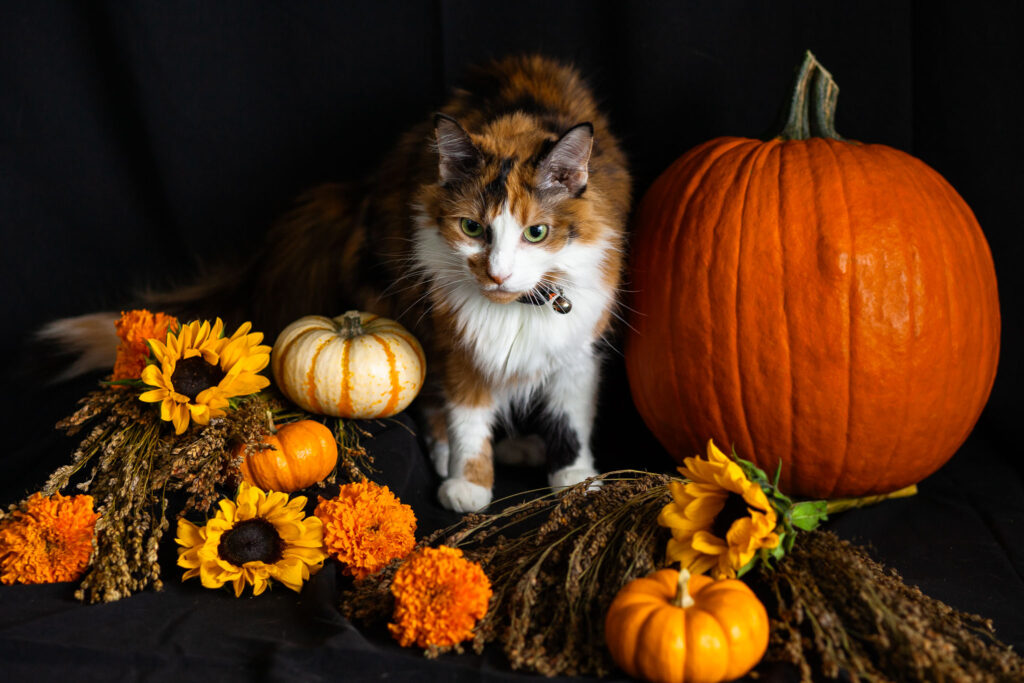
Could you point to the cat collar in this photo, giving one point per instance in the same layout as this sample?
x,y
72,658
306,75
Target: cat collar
x,y
544,294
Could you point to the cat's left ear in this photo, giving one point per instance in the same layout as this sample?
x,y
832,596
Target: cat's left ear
x,y
458,157
565,166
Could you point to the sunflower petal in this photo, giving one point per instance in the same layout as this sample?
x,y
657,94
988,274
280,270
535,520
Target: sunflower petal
x,y
179,416
242,330
153,396
708,543
153,376
289,572
188,533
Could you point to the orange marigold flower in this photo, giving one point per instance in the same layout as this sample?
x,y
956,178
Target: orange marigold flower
x,y
134,328
439,597
47,539
366,526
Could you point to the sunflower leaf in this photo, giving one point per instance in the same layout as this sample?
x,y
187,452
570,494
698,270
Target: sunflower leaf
x,y
750,565
752,471
136,383
786,541
808,514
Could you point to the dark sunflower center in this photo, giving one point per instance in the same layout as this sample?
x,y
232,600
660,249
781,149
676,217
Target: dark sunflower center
x,y
254,540
735,508
193,375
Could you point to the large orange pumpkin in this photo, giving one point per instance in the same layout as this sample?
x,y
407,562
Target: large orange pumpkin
x,y
818,302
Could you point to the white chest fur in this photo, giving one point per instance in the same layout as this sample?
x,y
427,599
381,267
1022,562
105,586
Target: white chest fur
x,y
522,341
517,342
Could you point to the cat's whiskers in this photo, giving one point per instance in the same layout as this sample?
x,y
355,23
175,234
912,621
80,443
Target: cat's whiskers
x,y
439,286
419,277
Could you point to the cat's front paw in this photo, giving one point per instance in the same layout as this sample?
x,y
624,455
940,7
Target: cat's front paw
x,y
461,495
520,450
569,476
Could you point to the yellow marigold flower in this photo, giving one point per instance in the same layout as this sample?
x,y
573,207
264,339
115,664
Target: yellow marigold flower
x,y
719,519
259,537
366,526
133,329
439,597
198,369
48,539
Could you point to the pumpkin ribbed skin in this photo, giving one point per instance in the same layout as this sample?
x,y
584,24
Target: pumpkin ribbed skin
x,y
824,304
337,367
300,454
722,636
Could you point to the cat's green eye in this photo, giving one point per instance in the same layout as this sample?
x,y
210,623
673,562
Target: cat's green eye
x,y
536,233
471,227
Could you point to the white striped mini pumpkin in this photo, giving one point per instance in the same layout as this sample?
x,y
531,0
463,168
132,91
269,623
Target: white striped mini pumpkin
x,y
357,365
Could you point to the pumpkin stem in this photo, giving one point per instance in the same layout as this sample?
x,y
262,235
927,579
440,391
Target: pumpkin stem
x,y
270,422
812,107
683,598
350,324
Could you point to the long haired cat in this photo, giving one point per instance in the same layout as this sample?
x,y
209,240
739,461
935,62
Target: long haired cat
x,y
495,232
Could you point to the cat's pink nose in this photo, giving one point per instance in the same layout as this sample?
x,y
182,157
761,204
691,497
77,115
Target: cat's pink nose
x,y
498,278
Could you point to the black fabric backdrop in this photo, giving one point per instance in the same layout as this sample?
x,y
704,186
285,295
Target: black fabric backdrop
x,y
137,138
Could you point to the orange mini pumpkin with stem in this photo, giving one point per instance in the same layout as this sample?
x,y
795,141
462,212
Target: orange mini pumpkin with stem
x,y
671,627
299,455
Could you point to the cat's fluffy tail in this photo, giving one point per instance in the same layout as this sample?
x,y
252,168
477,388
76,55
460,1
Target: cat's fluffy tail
x,y
307,265
89,341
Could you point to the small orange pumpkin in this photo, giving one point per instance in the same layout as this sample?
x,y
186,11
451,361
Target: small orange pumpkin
x,y
672,627
300,454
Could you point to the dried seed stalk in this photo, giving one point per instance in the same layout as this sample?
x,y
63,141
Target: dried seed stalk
x,y
838,612
555,564
137,461
557,561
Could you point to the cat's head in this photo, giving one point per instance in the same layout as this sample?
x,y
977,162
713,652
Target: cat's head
x,y
508,206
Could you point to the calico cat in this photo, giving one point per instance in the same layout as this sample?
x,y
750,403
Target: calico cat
x,y
495,232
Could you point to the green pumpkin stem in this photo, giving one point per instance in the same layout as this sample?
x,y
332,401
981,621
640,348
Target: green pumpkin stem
x,y
350,324
683,598
812,108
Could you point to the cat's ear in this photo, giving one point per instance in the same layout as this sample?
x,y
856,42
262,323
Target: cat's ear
x,y
458,157
565,166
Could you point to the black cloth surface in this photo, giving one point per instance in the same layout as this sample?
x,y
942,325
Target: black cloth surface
x,y
138,138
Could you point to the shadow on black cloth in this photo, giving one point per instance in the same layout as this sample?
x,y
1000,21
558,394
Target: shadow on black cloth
x,y
958,540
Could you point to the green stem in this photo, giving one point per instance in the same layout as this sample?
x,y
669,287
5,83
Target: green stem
x,y
812,107
843,504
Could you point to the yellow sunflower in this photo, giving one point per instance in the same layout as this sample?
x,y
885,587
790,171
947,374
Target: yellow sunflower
x,y
719,519
258,537
199,369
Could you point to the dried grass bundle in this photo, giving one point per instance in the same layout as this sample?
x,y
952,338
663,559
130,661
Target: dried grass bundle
x,y
556,563
839,613
136,462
